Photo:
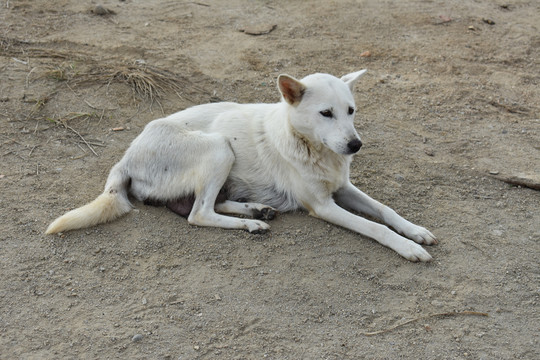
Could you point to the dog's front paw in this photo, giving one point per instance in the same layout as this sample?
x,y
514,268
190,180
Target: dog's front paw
x,y
256,226
419,234
414,252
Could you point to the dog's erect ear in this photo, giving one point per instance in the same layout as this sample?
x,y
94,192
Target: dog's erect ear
x,y
291,89
352,78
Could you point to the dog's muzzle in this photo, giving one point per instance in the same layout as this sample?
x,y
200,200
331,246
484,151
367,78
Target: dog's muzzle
x,y
354,145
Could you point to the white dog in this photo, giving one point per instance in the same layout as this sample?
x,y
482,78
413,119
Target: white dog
x,y
295,154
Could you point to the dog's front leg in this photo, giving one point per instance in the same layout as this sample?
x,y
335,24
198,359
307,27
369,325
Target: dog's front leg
x,y
352,198
335,214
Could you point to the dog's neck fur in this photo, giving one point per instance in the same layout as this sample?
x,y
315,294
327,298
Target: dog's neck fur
x,y
326,165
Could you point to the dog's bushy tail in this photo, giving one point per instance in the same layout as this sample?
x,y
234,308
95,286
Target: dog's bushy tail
x,y
108,206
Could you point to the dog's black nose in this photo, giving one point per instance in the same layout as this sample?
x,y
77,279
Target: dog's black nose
x,y
354,145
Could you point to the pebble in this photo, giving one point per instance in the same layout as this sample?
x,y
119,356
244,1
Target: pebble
x,y
366,54
100,10
497,232
137,338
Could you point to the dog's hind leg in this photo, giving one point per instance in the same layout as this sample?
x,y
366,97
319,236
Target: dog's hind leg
x,y
255,210
218,161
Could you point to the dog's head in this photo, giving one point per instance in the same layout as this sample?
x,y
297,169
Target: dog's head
x,y
321,109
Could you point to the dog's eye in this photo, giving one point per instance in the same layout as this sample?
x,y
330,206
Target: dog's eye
x,y
351,110
327,113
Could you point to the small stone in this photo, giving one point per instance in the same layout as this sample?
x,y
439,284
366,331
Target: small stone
x,y
100,10
444,19
144,301
497,232
137,338
494,172
366,54
196,347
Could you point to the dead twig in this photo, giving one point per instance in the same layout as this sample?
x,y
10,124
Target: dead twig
x,y
529,181
78,134
82,138
96,108
32,150
197,3
445,314
28,77
96,144
515,109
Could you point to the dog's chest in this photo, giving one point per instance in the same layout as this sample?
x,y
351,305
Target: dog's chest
x,y
331,172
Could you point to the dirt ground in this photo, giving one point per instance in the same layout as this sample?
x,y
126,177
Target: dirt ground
x,y
450,105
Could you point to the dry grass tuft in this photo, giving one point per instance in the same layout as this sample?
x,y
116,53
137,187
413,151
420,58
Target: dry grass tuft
x,y
148,82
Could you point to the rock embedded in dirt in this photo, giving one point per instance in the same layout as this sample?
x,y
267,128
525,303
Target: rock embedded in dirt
x,y
258,29
137,337
102,11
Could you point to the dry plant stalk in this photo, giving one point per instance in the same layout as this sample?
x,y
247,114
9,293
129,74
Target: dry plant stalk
x,y
473,313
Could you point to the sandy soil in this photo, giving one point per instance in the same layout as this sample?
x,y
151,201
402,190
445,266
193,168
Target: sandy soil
x,y
450,103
